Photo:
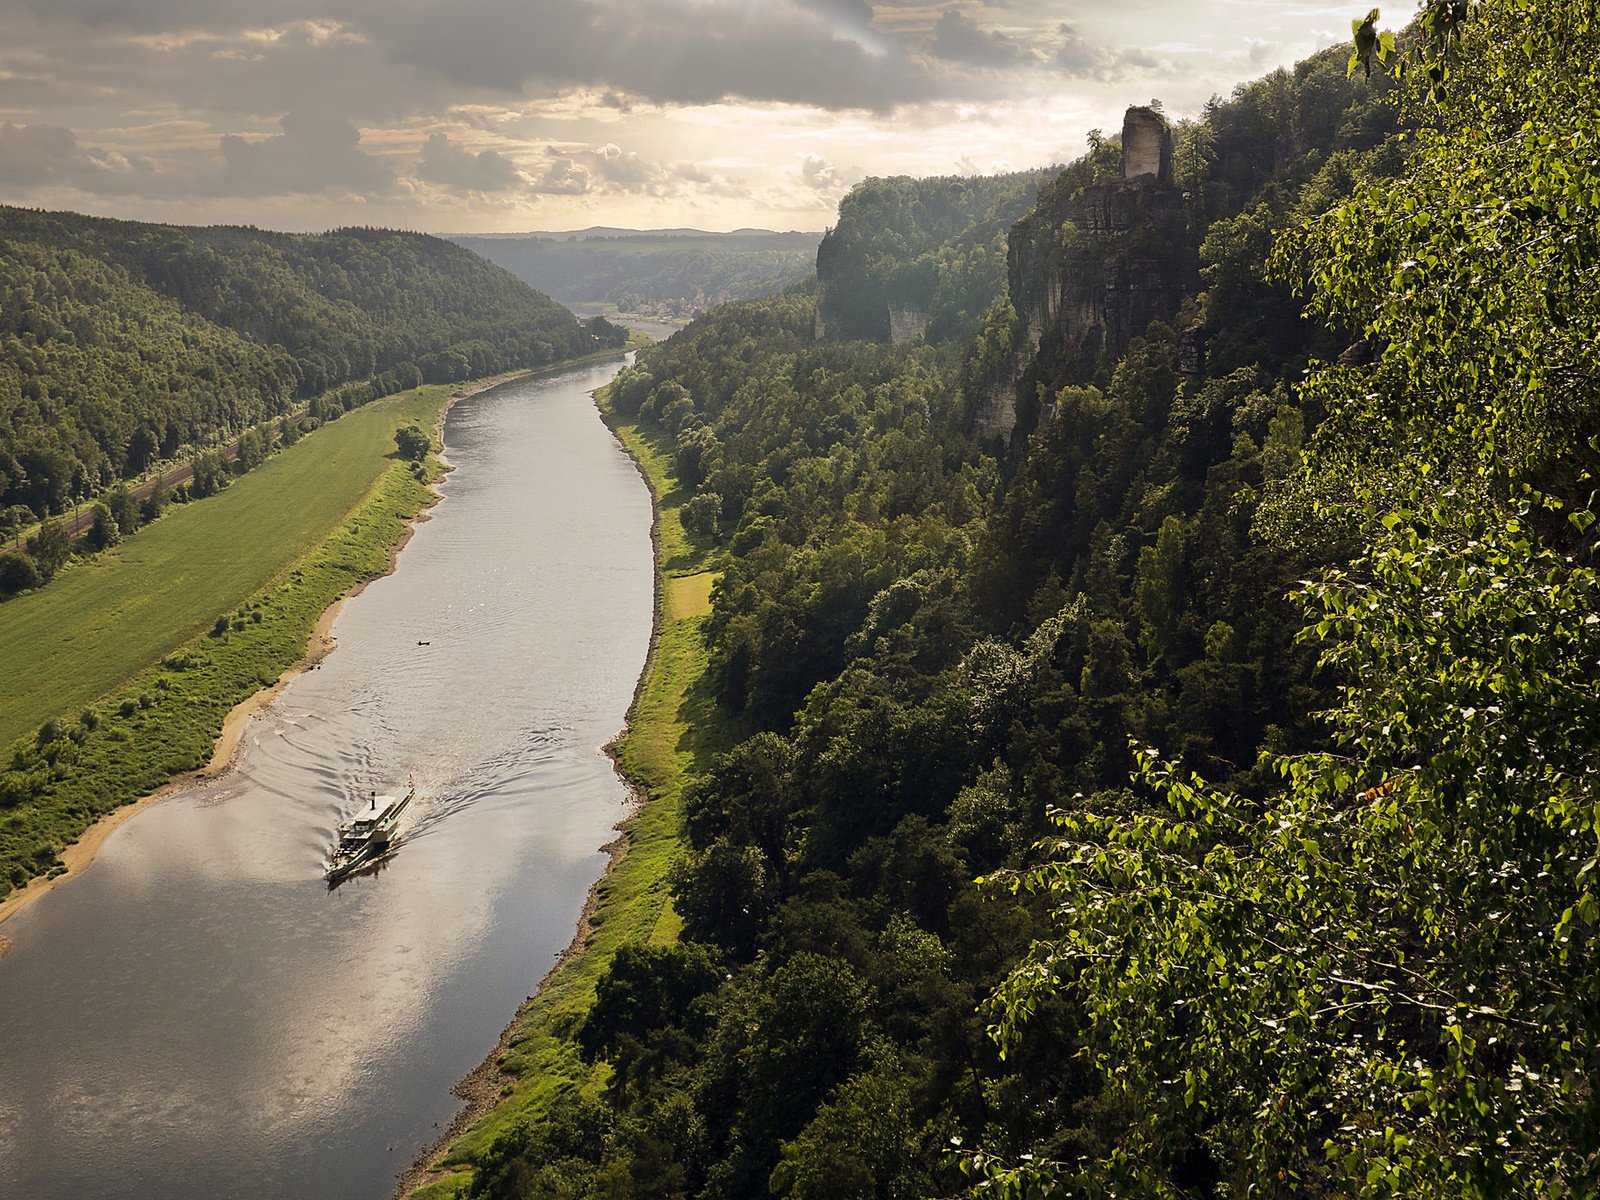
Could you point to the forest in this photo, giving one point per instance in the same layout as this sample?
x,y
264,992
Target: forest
x,y
123,343
1189,789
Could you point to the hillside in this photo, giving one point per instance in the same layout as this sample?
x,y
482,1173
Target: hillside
x,y
1246,658
123,342
661,270
910,257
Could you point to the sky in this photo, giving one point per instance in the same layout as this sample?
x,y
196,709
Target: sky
x,y
506,115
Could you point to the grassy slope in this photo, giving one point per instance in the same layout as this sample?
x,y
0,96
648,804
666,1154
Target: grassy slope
x,y
673,729
103,620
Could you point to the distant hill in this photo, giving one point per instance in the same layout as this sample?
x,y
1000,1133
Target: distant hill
x,y
121,342
662,271
615,231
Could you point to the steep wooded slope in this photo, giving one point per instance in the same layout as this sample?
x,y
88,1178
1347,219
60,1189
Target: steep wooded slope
x,y
122,341
931,638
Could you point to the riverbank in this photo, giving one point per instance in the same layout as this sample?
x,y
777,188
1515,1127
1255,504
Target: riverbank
x,y
671,732
249,664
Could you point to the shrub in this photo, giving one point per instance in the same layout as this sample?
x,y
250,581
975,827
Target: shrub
x,y
18,572
412,442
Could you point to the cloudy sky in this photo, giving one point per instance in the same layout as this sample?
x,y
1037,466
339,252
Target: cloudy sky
x,y
485,115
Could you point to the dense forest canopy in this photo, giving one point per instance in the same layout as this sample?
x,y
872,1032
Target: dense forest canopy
x,y
1257,683
935,246
121,342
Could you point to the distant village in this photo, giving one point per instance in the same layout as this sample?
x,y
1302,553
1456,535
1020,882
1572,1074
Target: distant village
x,y
673,308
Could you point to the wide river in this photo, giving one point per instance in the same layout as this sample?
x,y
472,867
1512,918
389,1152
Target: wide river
x,y
198,1015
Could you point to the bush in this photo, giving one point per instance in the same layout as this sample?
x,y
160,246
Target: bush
x,y
412,442
18,573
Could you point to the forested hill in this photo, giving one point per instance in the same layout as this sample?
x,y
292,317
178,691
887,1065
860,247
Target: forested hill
x,y
1286,897
121,342
918,257
680,270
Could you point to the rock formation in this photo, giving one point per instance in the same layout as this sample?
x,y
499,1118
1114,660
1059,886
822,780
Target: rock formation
x,y
1090,268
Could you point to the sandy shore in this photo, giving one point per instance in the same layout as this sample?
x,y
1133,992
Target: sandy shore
x,y
81,854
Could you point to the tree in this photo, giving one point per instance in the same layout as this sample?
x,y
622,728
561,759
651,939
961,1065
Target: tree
x,y
125,510
103,531
50,547
412,442
703,514
1375,978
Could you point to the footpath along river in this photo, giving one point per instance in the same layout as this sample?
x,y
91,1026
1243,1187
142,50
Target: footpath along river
x,y
198,1015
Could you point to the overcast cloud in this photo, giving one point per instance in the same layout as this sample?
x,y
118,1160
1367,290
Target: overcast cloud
x,y
508,114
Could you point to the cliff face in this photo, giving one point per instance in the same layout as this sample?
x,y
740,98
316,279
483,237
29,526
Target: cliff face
x,y
1091,274
1090,268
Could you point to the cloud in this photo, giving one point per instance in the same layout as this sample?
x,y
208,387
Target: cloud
x,y
452,166
958,38
819,173
823,176
38,155
563,176
282,54
41,156
1082,59
313,154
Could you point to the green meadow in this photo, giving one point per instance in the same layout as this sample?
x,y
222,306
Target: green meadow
x,y
673,730
119,674
108,617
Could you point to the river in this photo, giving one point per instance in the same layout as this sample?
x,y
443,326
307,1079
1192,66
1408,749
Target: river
x,y
198,1015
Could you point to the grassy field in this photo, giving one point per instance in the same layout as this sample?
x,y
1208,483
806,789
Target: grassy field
x,y
106,618
673,730
120,673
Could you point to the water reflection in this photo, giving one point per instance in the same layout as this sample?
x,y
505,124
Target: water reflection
x,y
199,1015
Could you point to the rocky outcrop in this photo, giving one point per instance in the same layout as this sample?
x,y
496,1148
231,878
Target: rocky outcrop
x,y
1090,270
994,417
906,323
1146,148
